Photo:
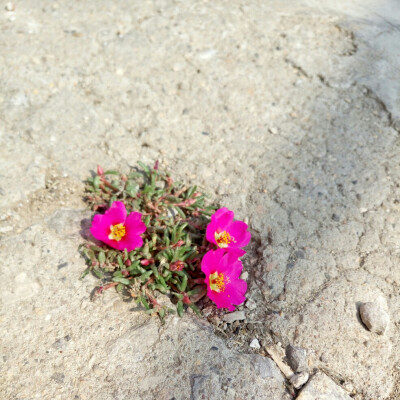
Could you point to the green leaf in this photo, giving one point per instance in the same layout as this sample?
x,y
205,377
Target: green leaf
x,y
120,263
190,254
134,267
182,227
161,288
153,179
84,273
132,189
184,283
98,273
167,275
121,280
111,172
145,168
90,254
161,280
144,302
145,276
96,182
141,269
191,191
179,308
195,309
134,175
102,257
96,248
120,287
180,212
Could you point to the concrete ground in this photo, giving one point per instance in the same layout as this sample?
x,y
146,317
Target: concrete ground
x,y
286,112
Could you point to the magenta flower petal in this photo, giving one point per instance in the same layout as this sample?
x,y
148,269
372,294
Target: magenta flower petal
x,y
219,222
238,230
208,262
100,228
134,223
117,230
223,216
222,269
117,212
225,232
129,242
237,296
230,263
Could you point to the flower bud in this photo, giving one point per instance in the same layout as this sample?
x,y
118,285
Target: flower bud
x,y
100,171
147,261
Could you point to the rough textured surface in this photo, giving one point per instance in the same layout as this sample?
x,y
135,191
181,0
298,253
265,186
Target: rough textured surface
x,y
287,113
321,387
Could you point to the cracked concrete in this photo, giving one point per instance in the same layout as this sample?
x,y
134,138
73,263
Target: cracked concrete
x,y
288,114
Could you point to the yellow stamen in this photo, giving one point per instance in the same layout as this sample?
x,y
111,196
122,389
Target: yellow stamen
x,y
218,282
117,232
223,239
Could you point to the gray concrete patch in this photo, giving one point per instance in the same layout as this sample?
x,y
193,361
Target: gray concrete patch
x,y
287,113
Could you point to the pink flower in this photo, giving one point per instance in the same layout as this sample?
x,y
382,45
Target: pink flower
x,y
222,269
118,230
225,232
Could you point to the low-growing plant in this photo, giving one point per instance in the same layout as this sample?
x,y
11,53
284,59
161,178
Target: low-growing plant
x,y
153,234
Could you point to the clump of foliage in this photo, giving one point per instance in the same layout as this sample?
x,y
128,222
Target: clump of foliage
x,y
174,243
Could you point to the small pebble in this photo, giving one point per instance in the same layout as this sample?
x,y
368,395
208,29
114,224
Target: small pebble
x,y
298,380
375,318
10,6
324,358
234,316
297,358
251,304
215,320
244,275
255,344
335,217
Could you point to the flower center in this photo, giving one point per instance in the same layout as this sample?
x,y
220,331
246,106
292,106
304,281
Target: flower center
x,y
218,282
223,239
117,232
